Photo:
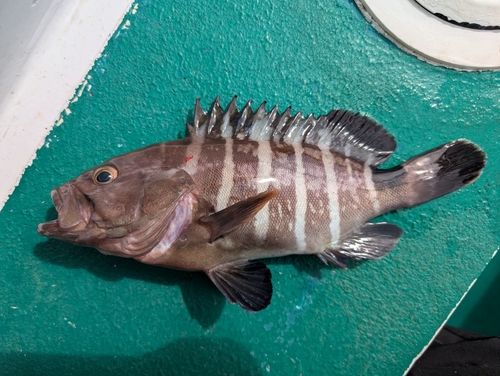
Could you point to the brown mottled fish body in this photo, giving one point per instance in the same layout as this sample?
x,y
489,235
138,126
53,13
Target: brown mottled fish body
x,y
304,217
250,185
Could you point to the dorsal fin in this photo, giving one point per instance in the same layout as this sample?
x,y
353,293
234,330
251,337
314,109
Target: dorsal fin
x,y
341,131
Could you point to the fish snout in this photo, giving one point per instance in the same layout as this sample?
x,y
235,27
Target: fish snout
x,y
74,210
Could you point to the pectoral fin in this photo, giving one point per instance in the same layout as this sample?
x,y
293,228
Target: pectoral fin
x,y
246,283
232,217
372,241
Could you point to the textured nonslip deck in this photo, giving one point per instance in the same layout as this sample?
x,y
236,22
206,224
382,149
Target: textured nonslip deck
x,y
72,310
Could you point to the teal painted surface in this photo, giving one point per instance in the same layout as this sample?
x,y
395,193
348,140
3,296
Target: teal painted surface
x,y
480,309
67,309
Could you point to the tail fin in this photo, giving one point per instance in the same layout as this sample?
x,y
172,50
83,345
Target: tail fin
x,y
430,175
443,170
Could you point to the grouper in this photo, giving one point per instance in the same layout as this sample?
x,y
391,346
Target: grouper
x,y
248,185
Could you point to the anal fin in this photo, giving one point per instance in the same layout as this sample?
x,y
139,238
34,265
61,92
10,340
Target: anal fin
x,y
332,256
246,283
372,241
232,217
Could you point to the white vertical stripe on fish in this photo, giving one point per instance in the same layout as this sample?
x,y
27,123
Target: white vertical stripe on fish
x,y
371,188
227,177
264,171
193,152
332,191
300,199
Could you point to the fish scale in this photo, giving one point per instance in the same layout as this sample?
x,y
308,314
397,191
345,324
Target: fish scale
x,y
251,185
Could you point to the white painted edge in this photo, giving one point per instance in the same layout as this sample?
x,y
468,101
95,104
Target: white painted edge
x,y
445,321
418,32
65,51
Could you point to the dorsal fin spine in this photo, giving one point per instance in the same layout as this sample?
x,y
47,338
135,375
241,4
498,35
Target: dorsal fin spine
x,y
240,131
307,125
292,128
270,118
214,114
259,121
231,111
199,115
281,122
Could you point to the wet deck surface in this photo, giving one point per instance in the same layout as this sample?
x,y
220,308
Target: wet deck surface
x,y
67,309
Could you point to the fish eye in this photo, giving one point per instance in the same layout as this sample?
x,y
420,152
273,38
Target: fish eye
x,y
105,175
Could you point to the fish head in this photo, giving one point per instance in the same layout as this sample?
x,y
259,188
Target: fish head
x,y
122,208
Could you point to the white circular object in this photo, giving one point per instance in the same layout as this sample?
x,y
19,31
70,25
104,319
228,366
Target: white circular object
x,y
419,32
480,12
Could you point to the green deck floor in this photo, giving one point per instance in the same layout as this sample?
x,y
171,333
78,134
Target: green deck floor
x,y
71,310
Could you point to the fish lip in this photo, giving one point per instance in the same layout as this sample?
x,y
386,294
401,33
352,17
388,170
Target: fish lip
x,y
74,209
48,229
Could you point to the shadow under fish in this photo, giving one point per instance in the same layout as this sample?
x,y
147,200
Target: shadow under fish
x,y
250,185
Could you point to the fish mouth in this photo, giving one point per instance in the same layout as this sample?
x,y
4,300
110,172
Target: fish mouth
x,y
74,210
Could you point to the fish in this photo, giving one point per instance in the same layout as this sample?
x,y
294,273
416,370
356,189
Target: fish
x,y
248,185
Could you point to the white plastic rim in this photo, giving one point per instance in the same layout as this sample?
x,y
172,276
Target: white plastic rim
x,y
480,12
420,33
